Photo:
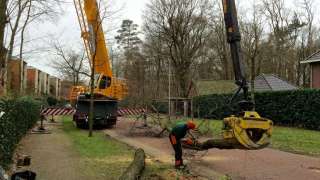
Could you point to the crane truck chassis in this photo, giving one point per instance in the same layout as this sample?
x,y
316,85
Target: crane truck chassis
x,y
105,112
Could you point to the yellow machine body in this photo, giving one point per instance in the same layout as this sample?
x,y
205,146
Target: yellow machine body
x,y
96,48
75,92
249,131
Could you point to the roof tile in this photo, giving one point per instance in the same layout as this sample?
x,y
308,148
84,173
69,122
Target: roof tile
x,y
272,83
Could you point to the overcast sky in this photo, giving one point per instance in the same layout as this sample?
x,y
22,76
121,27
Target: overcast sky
x,y
66,29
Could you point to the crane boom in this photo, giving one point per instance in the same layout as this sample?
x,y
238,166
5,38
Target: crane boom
x,y
97,45
88,13
234,39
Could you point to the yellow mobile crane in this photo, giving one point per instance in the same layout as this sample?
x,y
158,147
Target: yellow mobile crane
x,y
108,89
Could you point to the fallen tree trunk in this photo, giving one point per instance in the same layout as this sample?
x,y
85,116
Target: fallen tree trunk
x,y
136,168
213,143
221,144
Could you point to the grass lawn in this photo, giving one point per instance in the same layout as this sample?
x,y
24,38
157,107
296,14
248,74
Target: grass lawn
x,y
101,156
296,140
293,140
106,158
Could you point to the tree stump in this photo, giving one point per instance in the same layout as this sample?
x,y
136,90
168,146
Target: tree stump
x,y
134,171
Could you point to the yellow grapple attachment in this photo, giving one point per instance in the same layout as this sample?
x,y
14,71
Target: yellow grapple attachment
x,y
249,131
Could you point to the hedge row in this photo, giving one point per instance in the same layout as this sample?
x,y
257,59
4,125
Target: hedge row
x,y
20,115
287,108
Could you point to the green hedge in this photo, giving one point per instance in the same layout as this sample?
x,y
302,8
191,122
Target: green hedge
x,y
287,108
20,115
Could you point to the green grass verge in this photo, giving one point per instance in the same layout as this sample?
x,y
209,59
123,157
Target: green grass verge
x,y
296,140
299,141
102,157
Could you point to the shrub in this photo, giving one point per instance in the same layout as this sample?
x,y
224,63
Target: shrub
x,y
52,101
287,108
20,115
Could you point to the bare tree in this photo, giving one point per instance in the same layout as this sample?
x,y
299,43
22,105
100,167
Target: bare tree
x,y
157,68
285,26
71,65
3,22
252,30
183,27
14,22
218,51
20,13
307,44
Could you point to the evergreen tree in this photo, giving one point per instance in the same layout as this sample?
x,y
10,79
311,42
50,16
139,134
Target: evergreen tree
x,y
128,35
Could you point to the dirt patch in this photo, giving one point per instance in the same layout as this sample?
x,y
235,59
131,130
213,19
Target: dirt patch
x,y
238,164
52,155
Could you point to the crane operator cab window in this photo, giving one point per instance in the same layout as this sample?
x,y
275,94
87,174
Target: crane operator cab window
x,y
105,82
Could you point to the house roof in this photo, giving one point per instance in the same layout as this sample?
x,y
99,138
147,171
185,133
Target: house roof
x,y
271,82
315,57
263,82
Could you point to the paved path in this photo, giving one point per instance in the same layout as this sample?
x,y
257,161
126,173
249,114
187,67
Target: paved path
x,y
267,164
52,155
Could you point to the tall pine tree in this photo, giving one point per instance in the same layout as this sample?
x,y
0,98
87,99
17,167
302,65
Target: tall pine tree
x,y
128,35
134,66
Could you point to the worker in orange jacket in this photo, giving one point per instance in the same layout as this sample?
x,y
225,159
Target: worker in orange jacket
x,y
177,133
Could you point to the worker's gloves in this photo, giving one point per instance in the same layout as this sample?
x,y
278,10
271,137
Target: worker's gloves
x,y
189,141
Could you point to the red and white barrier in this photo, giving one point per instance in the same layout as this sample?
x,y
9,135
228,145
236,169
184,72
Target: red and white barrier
x,y
131,111
71,111
57,111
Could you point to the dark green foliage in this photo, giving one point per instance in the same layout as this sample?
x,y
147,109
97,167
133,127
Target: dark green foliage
x,y
20,115
286,108
52,101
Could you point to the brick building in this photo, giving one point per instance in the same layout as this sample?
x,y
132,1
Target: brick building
x,y
55,87
33,80
41,83
25,79
314,62
65,89
17,75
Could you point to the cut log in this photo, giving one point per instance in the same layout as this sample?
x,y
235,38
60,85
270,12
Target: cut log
x,y
213,143
134,171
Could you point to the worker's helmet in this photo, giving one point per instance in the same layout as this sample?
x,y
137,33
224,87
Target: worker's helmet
x,y
191,125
